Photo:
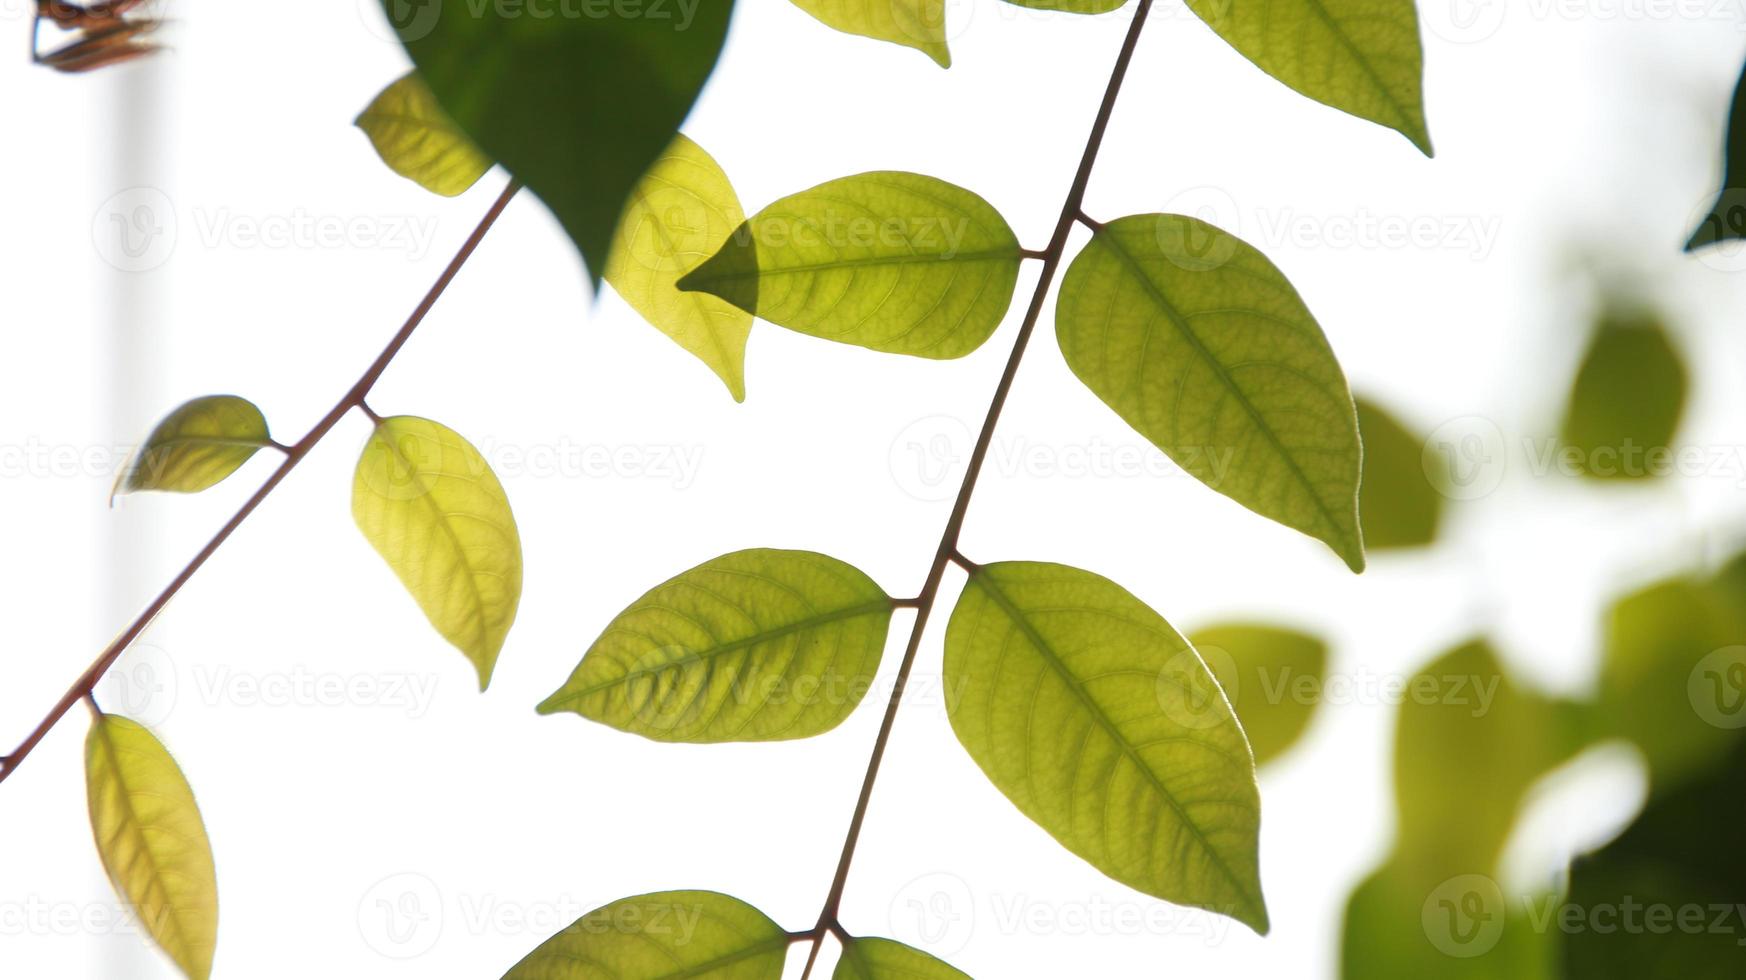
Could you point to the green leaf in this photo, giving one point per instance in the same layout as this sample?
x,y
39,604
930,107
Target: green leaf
x,y
417,141
1403,922
1101,724
895,262
1071,6
1273,678
1671,679
1197,341
152,840
1359,56
677,217
919,24
662,936
1727,217
885,959
196,446
752,646
1626,402
431,507
1398,504
576,107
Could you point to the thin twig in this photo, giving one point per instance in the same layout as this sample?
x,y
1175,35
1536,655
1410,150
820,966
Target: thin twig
x,y
294,454
947,552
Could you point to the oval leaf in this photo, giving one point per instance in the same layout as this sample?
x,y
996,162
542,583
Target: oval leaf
x,y
430,505
1273,678
1359,56
752,646
152,840
1072,6
1102,724
1626,402
576,107
660,936
196,446
417,140
1197,341
1398,504
919,24
885,959
677,217
896,262
1727,217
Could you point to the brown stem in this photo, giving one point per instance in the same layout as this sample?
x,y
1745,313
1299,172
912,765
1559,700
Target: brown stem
x,y
947,553
294,454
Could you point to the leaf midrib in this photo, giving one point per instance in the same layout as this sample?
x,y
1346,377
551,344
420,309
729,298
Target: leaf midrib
x,y
985,581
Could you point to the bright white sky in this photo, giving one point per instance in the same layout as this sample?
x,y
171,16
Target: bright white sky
x,y
420,829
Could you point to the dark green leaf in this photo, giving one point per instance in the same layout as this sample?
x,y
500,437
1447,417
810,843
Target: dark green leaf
x,y
1727,218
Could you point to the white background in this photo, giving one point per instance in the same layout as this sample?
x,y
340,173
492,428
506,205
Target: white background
x,y
374,836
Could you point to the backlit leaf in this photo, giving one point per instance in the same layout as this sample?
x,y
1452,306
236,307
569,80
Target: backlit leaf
x,y
152,840
662,936
417,141
752,646
1197,341
1359,56
1626,402
919,24
431,507
196,446
577,107
1101,724
896,262
1398,505
1071,6
884,959
1727,217
677,217
1273,678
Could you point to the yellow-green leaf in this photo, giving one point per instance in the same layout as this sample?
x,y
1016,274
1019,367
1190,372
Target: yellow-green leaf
x,y
1626,402
430,505
196,446
895,262
1071,6
662,936
1101,723
1359,56
919,24
1398,504
885,959
752,646
418,141
679,214
152,840
1273,678
1201,344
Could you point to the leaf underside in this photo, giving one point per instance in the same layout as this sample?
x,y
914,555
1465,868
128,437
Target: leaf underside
x,y
662,936
418,141
885,959
919,24
196,446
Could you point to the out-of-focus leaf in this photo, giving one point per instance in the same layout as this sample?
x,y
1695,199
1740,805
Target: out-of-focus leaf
x,y
196,446
1359,56
1398,504
1404,923
1273,678
895,262
1727,217
919,24
662,936
883,959
576,107
752,646
1101,723
418,141
1200,343
1626,402
679,214
431,507
152,840
1681,868
1673,676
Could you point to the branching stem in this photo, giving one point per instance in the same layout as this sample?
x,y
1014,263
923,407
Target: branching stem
x,y
354,398
947,553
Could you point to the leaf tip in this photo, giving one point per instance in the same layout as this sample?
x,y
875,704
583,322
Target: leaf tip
x,y
941,54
